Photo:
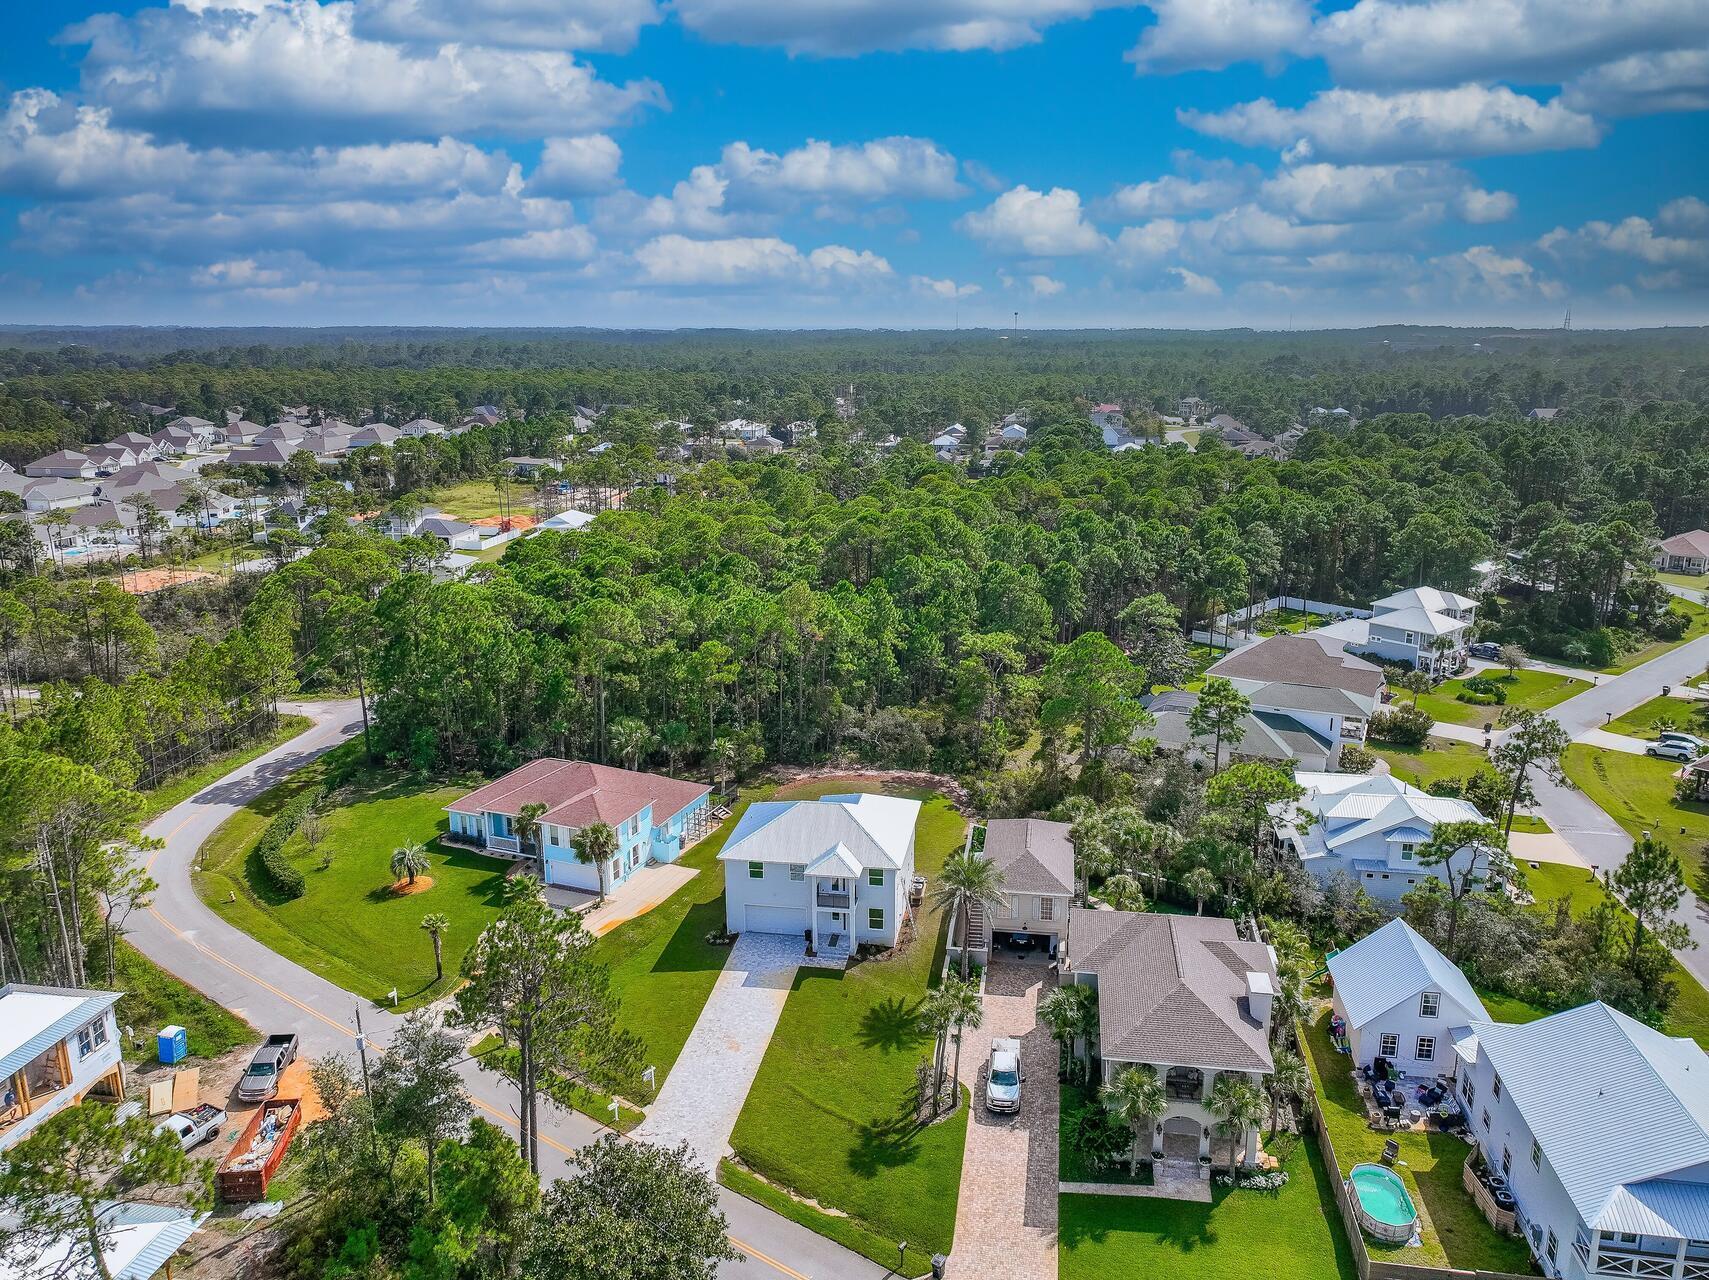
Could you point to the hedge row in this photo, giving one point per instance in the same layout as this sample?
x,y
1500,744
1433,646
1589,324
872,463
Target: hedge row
x,y
285,878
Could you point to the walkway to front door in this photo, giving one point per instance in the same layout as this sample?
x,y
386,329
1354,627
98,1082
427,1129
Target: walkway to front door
x,y
704,1094
1005,1223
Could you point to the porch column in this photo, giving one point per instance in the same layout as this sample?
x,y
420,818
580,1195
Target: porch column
x,y
1595,1262
813,908
1679,1261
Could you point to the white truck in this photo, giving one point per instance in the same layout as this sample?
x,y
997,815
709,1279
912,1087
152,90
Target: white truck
x,y
199,1124
1003,1077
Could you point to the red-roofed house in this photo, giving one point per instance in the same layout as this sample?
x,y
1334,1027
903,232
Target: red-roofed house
x,y
1684,553
654,817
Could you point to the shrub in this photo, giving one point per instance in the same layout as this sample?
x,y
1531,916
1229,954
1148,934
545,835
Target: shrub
x,y
1404,726
1355,759
1669,626
270,849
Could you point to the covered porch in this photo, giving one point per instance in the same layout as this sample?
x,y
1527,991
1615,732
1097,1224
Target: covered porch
x,y
830,902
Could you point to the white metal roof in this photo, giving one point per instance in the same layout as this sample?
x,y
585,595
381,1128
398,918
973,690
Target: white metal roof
x,y
1395,965
32,1018
1423,621
138,1241
1427,598
1618,1109
877,831
1363,805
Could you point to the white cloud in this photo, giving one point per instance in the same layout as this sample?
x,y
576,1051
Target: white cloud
x,y
1212,34
1173,194
576,166
1042,224
296,70
1250,229
1358,193
606,25
946,289
885,168
694,204
1688,215
556,246
1445,42
842,28
1149,244
1481,272
752,260
1045,286
1352,124
1194,283
1633,237
1643,84
52,149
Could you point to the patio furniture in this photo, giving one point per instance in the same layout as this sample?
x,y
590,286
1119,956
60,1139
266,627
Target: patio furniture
x,y
1391,1151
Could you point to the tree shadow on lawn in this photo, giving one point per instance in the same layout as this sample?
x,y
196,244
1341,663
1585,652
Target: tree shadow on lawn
x,y
892,1023
885,1144
688,951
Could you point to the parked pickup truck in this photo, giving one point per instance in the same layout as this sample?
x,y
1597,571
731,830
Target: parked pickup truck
x,y
199,1124
1003,1077
261,1078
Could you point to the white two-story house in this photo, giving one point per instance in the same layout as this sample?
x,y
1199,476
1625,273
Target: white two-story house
x,y
1402,1000
655,818
1185,997
1601,1127
833,872
1370,827
58,1046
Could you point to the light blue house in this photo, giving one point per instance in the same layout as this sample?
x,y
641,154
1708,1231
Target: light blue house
x,y
655,818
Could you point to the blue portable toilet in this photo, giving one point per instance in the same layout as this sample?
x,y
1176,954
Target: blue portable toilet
x,y
174,1044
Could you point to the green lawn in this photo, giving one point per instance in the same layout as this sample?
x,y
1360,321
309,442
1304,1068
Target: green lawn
x,y
1295,1232
477,500
1690,581
1453,1232
350,927
1637,792
1552,881
848,1232
1531,690
1689,714
1511,1008
496,1057
185,785
829,1115
1437,759
154,999
1698,617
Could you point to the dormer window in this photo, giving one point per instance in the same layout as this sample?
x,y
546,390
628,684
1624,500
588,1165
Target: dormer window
x,y
1430,1004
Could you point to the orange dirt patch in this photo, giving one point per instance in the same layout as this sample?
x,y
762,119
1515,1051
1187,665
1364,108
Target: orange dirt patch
x,y
295,1082
422,885
519,523
147,581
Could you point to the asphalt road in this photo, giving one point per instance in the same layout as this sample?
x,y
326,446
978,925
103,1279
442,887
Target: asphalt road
x,y
273,994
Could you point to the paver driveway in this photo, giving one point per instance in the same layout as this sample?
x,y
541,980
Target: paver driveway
x,y
704,1094
1005,1223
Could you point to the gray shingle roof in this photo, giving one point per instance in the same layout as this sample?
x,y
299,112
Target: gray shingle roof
x,y
1034,856
1172,989
1301,660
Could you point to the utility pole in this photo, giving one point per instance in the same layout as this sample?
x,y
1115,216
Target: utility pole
x,y
367,1092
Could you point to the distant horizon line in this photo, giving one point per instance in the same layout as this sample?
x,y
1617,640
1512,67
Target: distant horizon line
x,y
1001,330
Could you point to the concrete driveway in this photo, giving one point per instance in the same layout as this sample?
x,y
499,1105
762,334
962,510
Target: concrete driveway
x,y
1005,1222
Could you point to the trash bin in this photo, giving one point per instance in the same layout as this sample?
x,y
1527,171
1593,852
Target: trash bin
x,y
174,1044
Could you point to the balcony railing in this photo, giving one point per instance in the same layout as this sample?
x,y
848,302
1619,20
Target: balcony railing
x,y
1642,1265
504,844
832,897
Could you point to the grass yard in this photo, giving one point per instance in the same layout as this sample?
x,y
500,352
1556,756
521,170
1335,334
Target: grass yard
x,y
1698,624
1531,690
477,499
1637,792
1690,715
185,785
1291,621
1295,1232
1552,881
829,1115
350,927
501,1060
154,999
1689,581
846,1231
1511,1008
1453,1232
1437,759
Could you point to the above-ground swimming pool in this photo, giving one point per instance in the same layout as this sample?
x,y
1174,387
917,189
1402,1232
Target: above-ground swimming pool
x,y
1382,1204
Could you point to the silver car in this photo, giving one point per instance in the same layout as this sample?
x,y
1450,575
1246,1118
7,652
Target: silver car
x,y
1003,1078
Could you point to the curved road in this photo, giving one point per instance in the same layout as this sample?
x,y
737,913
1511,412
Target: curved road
x,y
183,936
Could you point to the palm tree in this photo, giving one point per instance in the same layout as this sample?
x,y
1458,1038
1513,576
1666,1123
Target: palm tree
x,y
967,879
935,1015
410,860
595,845
1134,1097
1238,1105
436,923
528,826
966,1012
724,754
1201,883
1288,1079
1070,1014
1415,683
631,739
1123,893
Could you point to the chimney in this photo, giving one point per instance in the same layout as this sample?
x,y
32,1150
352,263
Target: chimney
x,y
1259,992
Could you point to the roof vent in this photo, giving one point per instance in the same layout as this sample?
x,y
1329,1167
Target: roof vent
x,y
1259,993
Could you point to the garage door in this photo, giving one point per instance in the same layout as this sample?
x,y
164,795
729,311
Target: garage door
x,y
777,920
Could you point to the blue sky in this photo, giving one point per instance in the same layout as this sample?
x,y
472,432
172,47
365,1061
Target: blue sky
x,y
856,162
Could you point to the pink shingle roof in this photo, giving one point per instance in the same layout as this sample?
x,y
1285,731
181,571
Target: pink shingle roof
x,y
576,793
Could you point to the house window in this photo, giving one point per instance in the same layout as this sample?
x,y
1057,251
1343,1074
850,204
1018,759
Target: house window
x,y
1426,1048
1430,1004
1495,1088
1486,1117
1411,638
875,918
797,871
1536,1154
1506,1162
635,825
92,1037
1046,909
1406,852
1389,1047
875,876
1469,1091
1554,1246
756,871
